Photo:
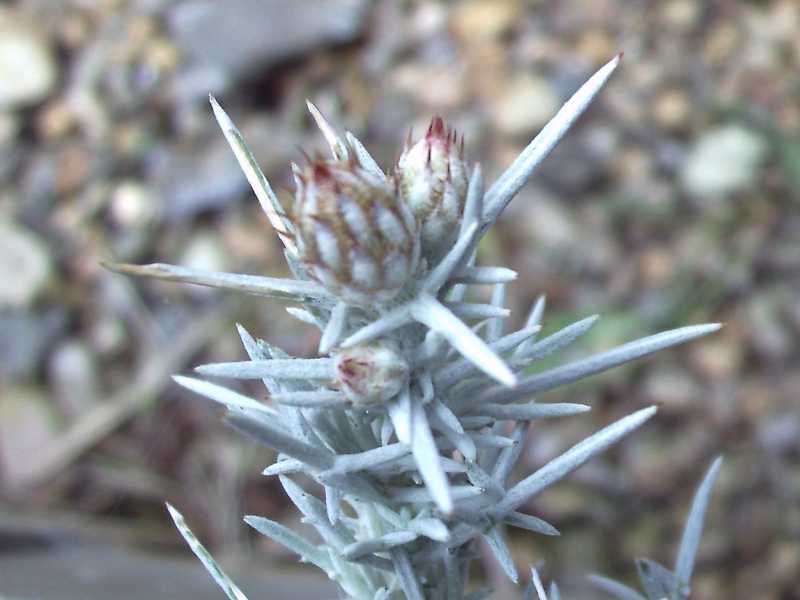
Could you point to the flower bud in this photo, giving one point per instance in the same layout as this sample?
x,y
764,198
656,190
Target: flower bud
x,y
355,237
371,373
432,180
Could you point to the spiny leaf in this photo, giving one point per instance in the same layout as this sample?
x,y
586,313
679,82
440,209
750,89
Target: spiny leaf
x,y
529,522
273,436
223,395
313,399
615,588
334,328
509,183
600,362
658,582
338,147
271,287
483,275
429,311
255,177
534,318
370,459
530,411
406,575
363,155
535,587
288,538
684,563
223,581
571,459
497,544
383,543
554,342
426,454
290,368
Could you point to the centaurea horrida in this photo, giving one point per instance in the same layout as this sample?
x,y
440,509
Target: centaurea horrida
x,y
415,412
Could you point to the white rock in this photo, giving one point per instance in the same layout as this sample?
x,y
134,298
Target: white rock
x,y
132,205
722,161
27,424
25,265
27,69
72,373
205,251
526,105
547,222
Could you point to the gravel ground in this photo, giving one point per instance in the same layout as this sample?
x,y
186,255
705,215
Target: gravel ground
x,y
674,201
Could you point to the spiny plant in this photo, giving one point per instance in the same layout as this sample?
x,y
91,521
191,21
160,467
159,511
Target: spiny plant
x,y
413,415
658,581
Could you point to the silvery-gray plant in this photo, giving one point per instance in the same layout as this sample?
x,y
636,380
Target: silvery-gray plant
x,y
658,581
413,415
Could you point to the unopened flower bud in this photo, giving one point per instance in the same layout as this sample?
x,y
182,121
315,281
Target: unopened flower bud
x,y
371,373
352,233
432,180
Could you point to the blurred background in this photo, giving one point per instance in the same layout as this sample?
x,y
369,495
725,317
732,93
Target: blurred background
x,y
673,201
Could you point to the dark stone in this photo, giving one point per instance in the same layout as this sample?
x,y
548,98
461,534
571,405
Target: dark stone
x,y
26,338
238,37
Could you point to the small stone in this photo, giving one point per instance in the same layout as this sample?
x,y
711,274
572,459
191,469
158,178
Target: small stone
x,y
107,335
246,243
784,562
596,46
784,16
73,377
25,265
205,251
484,19
680,14
74,30
779,433
721,42
27,69
428,19
55,120
192,180
527,103
253,34
580,164
140,29
27,336
75,167
633,163
163,55
672,109
719,356
656,266
132,205
723,161
672,388
767,327
26,425
546,222
438,86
